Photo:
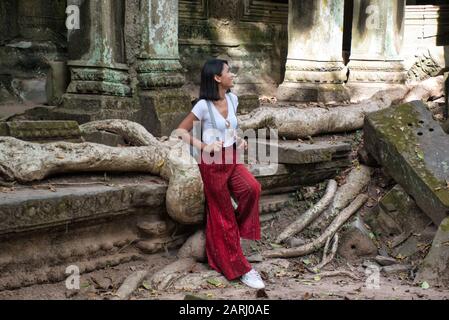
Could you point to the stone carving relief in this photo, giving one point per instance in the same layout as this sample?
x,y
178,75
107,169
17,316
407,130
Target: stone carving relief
x,y
274,11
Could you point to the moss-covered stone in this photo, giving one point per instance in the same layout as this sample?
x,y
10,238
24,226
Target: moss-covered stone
x,y
434,268
414,150
164,109
41,131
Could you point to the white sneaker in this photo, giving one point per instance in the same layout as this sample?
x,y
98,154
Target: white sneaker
x,y
252,279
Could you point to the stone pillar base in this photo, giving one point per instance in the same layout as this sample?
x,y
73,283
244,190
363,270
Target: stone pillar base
x,y
157,73
306,92
86,108
99,79
364,91
367,77
164,109
376,71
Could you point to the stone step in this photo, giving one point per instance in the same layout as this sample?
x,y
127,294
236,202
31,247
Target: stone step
x,y
294,152
273,203
284,178
66,200
42,131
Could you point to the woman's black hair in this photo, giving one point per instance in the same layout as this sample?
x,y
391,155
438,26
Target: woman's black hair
x,y
209,87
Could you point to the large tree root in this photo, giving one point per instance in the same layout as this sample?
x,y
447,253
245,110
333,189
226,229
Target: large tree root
x,y
296,123
130,285
194,247
321,240
432,88
337,273
356,181
26,162
327,258
310,215
132,132
164,278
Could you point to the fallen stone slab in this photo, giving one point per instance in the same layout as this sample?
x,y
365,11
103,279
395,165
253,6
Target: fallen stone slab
x,y
385,261
42,131
62,201
294,152
284,178
414,150
416,244
403,210
201,280
85,220
397,216
396,268
434,268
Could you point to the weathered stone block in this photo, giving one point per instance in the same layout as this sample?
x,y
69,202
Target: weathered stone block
x,y
403,210
86,108
294,152
164,110
434,269
413,148
27,209
287,178
41,131
303,92
57,82
356,242
248,103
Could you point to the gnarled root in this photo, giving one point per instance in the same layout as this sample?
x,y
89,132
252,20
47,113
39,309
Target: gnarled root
x,y
327,258
296,123
310,215
26,161
320,241
356,181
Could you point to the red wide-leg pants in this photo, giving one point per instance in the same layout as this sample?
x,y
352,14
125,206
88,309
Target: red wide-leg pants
x,y
224,227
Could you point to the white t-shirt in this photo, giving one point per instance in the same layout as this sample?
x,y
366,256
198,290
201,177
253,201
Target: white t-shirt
x,y
228,136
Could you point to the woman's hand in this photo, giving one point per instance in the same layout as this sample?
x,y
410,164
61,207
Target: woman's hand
x,y
214,147
242,144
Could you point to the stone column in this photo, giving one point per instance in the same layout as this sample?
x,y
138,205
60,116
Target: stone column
x,y
8,20
160,73
377,40
315,70
99,75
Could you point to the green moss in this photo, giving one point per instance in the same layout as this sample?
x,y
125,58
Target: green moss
x,y
445,225
398,128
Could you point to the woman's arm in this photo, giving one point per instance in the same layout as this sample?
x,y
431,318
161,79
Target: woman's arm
x,y
184,129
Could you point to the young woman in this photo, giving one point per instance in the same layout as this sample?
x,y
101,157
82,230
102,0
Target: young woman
x,y
224,227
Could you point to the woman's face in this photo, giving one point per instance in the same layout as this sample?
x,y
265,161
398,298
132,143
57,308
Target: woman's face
x,y
226,80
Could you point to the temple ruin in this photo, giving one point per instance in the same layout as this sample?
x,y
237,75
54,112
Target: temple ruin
x,y
140,60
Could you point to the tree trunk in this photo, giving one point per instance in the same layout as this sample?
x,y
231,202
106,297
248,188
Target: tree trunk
x,y
25,162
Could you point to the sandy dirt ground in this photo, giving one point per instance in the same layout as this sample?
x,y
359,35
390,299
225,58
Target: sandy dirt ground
x,y
290,280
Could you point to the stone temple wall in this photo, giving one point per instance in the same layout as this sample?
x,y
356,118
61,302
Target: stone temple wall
x,y
32,32
252,35
426,37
